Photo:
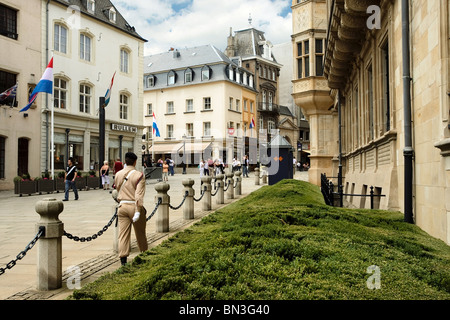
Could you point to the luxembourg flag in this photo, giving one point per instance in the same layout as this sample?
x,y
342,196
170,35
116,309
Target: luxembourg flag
x,y
44,85
108,92
252,123
155,127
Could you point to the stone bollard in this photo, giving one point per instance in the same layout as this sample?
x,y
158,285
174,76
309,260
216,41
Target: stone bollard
x,y
219,195
49,264
162,216
256,176
238,175
264,176
230,183
206,184
188,207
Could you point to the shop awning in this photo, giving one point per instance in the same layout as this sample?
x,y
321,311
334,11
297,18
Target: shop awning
x,y
194,147
178,147
163,148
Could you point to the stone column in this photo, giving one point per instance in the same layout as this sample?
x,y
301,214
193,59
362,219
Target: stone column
x,y
230,183
162,216
256,176
49,264
238,175
206,186
264,176
188,207
219,195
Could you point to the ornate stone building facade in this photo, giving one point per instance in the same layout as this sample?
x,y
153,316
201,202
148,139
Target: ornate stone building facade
x,y
367,72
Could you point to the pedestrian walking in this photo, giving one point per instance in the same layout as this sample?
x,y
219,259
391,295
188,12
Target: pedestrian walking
x,y
171,164
165,171
104,171
131,211
245,167
69,177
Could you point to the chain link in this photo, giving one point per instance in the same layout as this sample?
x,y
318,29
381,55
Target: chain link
x,y
202,194
154,210
178,207
227,185
22,254
93,237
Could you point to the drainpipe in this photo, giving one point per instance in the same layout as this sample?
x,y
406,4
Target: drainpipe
x,y
340,189
408,151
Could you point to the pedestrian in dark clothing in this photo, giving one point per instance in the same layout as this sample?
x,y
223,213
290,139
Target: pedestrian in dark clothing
x,y
70,176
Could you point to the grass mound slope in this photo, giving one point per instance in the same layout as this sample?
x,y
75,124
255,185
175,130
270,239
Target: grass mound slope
x,y
283,243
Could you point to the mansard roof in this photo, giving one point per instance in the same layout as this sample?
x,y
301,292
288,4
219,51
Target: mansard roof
x,y
101,13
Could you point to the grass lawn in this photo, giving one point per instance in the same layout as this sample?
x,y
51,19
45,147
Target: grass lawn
x,y
283,243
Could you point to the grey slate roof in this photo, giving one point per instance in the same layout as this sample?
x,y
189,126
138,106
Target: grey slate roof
x,y
285,111
100,13
187,57
195,58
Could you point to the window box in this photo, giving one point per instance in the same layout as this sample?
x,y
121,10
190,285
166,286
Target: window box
x,y
46,185
25,187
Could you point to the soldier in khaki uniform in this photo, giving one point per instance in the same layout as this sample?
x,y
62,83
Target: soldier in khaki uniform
x,y
130,185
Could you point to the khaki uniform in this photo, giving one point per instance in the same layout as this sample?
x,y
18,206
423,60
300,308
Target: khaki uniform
x,y
131,200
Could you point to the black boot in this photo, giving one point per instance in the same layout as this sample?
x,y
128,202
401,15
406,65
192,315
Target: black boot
x,y
123,260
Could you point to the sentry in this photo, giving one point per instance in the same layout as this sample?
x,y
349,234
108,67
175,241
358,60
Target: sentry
x,y
244,309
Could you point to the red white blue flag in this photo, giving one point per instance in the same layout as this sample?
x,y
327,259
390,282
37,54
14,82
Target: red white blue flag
x,y
108,92
252,123
44,85
155,127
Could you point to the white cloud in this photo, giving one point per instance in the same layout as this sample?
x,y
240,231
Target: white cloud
x,y
187,23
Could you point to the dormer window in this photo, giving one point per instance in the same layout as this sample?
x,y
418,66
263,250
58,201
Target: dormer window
x,y
91,6
151,81
171,78
206,73
188,75
112,15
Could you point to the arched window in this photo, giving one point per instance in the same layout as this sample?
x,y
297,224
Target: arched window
x,y
85,97
85,47
124,106
60,38
124,60
60,90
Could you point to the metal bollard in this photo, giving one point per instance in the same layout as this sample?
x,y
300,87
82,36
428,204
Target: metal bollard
x,y
162,217
188,209
238,175
206,184
230,183
49,264
220,193
256,176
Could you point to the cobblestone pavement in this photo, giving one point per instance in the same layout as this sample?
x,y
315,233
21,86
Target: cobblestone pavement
x,y
84,218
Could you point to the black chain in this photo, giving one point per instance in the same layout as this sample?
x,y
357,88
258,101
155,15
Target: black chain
x,y
235,185
154,210
213,194
178,207
22,254
95,236
227,185
202,194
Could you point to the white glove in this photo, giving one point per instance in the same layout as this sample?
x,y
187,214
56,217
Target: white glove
x,y
136,216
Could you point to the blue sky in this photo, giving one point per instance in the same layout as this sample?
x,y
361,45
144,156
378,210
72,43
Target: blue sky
x,y
188,23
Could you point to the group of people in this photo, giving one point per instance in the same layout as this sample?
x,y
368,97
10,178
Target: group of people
x,y
71,174
213,168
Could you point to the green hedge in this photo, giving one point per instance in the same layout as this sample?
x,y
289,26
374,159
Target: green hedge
x,y
282,243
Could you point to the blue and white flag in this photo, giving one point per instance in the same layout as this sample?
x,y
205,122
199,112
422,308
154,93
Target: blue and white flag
x,y
108,92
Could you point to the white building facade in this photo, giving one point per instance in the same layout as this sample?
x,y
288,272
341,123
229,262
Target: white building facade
x,y
90,43
199,97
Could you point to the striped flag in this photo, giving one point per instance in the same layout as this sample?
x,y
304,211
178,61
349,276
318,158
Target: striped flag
x,y
252,123
108,92
155,127
10,93
44,85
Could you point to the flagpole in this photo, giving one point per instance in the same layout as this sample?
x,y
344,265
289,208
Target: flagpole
x,y
52,147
